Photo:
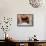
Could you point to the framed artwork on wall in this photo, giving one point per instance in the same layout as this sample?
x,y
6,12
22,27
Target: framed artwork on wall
x,y
24,19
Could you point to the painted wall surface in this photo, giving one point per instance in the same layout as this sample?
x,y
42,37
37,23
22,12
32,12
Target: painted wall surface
x,y
10,8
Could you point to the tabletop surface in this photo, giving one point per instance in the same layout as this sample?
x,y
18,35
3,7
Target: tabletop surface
x,y
44,41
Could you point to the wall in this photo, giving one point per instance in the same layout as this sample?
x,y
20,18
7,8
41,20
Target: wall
x,y
10,8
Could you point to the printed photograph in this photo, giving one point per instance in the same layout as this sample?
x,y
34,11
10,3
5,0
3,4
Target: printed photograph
x,y
25,19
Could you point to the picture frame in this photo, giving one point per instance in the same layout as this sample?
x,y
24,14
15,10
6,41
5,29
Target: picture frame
x,y
24,19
